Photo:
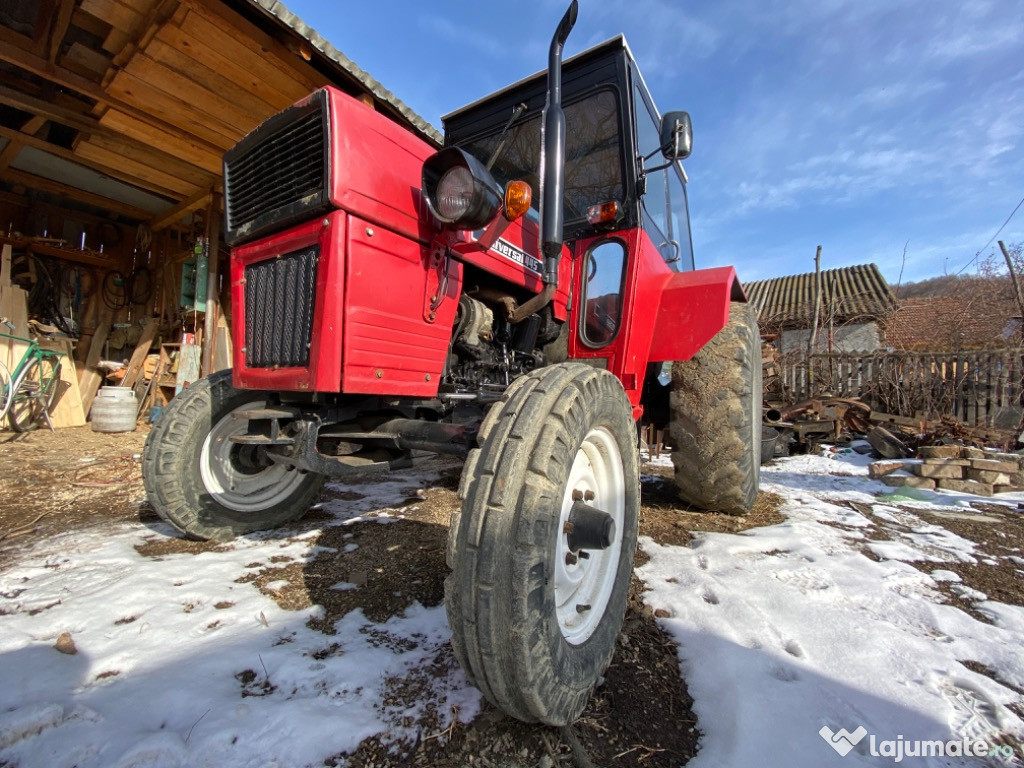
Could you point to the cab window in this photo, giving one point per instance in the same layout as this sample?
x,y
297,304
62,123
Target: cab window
x,y
605,268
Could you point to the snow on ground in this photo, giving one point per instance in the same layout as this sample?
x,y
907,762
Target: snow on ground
x,y
784,631
790,629
179,665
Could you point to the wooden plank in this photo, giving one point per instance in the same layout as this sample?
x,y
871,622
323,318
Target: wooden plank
x,y
92,62
143,154
89,378
138,358
144,98
14,307
117,15
249,45
67,409
120,124
278,94
148,176
214,81
218,108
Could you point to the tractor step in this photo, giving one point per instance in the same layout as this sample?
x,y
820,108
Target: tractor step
x,y
255,414
260,440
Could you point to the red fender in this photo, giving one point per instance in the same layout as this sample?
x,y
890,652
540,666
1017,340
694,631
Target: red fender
x,y
693,307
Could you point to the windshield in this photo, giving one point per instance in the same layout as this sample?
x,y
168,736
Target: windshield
x,y
593,152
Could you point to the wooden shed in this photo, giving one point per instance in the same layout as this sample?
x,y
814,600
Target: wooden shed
x,y
114,116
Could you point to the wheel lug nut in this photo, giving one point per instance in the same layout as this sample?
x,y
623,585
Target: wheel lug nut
x,y
588,495
570,558
577,495
583,554
582,608
567,527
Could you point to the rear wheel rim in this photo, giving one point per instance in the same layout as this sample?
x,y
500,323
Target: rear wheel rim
x,y
583,588
230,477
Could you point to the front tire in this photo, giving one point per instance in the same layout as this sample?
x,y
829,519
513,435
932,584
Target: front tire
x,y
535,616
208,487
716,418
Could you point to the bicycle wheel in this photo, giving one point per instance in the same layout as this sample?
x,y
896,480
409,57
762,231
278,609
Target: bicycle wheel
x,y
5,390
36,393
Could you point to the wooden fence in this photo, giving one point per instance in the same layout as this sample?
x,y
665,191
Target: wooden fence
x,y
978,387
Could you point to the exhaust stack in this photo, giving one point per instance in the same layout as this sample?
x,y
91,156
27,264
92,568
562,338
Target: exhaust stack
x,y
552,158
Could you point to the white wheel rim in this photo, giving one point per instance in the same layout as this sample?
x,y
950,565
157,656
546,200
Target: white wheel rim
x,y
229,484
590,581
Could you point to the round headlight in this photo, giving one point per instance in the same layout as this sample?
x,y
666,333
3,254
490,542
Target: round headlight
x,y
454,193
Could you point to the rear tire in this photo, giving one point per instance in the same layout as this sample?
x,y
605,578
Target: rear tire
x,y
208,487
516,599
716,418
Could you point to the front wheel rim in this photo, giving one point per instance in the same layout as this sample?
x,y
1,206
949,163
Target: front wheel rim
x,y
584,585
230,482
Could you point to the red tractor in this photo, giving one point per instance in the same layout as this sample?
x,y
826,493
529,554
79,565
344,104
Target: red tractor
x,y
503,300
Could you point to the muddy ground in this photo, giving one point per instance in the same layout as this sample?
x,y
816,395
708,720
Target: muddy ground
x,y
641,715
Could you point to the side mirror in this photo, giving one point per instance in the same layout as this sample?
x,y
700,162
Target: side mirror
x,y
676,136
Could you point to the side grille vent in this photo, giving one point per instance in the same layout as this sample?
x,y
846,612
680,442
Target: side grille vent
x,y
280,297
278,174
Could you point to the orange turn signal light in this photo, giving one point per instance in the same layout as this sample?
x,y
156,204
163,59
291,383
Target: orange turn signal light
x,y
604,212
518,196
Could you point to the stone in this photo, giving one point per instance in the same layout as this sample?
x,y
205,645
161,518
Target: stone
x,y
65,644
1008,489
994,465
965,486
939,470
877,469
940,451
907,481
970,452
988,476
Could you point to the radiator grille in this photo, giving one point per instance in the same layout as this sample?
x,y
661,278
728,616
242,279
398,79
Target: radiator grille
x,y
277,175
280,296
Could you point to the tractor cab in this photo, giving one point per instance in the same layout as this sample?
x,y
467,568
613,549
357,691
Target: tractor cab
x,y
621,157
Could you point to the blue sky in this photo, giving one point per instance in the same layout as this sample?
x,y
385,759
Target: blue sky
x,y
860,125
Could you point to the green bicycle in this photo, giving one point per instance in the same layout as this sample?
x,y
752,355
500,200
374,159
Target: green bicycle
x,y
27,394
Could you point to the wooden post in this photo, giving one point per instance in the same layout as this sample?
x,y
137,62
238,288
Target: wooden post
x,y
1020,306
813,337
212,286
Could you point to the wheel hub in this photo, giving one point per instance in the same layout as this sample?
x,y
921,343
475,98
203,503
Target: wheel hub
x,y
590,536
240,477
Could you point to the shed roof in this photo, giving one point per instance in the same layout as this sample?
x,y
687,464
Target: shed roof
x,y
848,293
143,97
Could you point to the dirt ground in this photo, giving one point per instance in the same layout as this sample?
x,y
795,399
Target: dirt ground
x,y
641,715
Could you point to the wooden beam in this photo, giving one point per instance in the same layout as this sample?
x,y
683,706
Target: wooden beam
x,y
171,216
60,28
158,15
72,193
88,125
40,67
18,139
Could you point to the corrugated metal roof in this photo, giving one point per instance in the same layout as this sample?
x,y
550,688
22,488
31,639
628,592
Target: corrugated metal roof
x,y
279,11
848,292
